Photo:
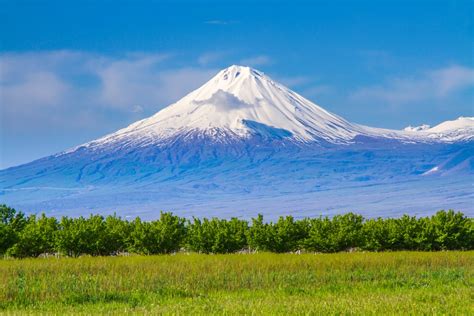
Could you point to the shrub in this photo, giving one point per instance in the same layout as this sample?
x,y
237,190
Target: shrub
x,y
31,236
36,237
342,232
217,235
162,236
11,224
78,236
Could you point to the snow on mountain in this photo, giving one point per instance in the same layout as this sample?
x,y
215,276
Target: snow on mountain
x,y
240,102
246,144
461,129
462,123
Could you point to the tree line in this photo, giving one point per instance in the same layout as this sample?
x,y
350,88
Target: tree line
x,y
30,236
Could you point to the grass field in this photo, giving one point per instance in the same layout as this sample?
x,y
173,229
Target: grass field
x,y
348,283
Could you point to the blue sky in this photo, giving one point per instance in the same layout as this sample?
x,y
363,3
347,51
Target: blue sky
x,y
73,71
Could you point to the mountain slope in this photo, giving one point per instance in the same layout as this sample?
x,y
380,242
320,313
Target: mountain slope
x,y
241,103
232,102
243,137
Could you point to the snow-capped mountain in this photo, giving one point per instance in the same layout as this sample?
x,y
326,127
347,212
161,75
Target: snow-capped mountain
x,y
461,129
241,103
243,139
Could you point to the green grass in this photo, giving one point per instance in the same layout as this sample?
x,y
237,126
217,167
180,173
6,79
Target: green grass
x,y
343,283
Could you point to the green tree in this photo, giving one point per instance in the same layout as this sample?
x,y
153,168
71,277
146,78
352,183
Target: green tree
x,y
375,235
258,234
36,237
11,224
340,233
217,235
452,230
117,234
31,236
78,236
163,236
287,234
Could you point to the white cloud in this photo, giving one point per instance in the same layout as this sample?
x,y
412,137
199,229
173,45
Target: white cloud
x,y
41,88
176,83
451,79
128,81
430,85
224,101
220,22
210,57
73,89
254,61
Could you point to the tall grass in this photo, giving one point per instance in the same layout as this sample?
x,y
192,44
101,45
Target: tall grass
x,y
264,283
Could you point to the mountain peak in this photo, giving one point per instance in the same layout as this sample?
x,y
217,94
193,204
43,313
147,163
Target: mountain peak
x,y
232,78
460,123
460,129
234,71
241,102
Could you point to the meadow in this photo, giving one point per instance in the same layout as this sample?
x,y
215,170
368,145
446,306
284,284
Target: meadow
x,y
261,283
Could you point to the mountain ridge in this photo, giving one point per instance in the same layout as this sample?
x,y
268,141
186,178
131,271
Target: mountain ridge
x,y
241,140
238,99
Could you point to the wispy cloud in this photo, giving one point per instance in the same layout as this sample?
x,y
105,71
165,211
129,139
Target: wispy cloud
x,y
73,89
35,88
210,57
435,84
220,22
128,81
260,60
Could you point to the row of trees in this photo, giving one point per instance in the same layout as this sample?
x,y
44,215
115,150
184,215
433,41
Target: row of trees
x,y
29,236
